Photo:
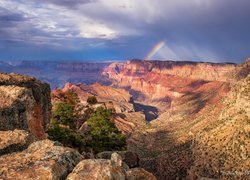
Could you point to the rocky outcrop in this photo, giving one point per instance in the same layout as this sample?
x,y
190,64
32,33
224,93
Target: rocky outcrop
x,y
13,141
42,160
24,114
24,104
112,169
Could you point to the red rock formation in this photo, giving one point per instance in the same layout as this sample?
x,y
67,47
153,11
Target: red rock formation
x,y
158,83
192,70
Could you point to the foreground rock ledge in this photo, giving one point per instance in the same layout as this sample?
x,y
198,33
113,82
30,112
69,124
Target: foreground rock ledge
x,y
24,104
42,160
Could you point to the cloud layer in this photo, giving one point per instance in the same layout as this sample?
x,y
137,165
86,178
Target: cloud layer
x,y
109,29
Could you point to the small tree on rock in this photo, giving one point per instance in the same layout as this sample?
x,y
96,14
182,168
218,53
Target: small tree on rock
x,y
92,100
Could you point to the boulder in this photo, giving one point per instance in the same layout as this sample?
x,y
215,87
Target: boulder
x,y
96,169
130,158
42,160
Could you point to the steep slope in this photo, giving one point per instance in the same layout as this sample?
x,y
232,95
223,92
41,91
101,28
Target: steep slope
x,y
222,149
189,100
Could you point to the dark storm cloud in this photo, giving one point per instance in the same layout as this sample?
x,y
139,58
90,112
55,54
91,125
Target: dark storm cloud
x,y
8,18
11,18
8,22
193,30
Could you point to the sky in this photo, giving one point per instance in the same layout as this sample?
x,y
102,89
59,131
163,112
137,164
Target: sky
x,y
195,30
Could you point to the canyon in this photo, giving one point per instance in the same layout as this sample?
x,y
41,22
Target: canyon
x,y
183,119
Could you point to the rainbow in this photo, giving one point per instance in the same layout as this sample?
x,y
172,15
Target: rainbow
x,y
156,48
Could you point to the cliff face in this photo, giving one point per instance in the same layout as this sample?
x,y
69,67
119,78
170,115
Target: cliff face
x,y
24,104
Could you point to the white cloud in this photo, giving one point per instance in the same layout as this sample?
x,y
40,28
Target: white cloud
x,y
105,19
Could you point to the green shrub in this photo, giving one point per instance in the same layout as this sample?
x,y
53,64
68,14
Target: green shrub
x,y
104,134
92,100
67,137
63,113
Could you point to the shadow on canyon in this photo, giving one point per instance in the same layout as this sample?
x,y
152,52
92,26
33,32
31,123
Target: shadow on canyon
x,y
150,112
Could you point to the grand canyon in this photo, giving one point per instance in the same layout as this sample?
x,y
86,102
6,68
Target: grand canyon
x,y
124,90
181,119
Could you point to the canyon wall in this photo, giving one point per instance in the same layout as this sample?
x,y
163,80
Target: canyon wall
x,y
24,104
184,69
159,83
